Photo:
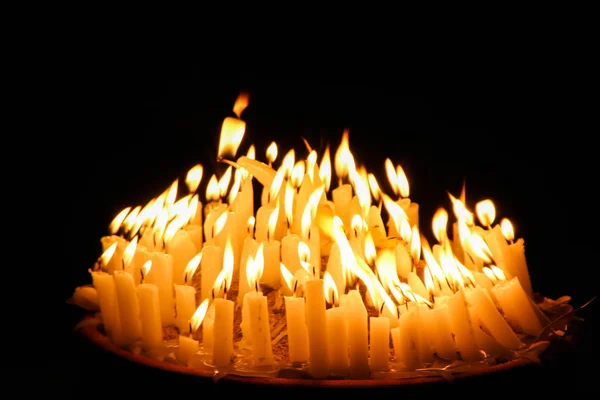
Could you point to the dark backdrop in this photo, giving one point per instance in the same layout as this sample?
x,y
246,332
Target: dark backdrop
x,y
514,144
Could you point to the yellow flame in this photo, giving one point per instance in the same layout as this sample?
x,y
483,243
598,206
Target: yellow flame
x,y
343,160
181,207
233,129
174,226
250,224
370,251
288,202
224,182
199,315
251,152
311,161
374,187
415,244
507,229
490,274
396,213
146,267
241,103
439,224
298,174
390,171
131,218
287,164
224,278
108,254
428,281
118,220
145,217
287,276
303,252
325,169
235,188
436,270
361,188
191,267
460,210
402,182
450,268
271,152
220,223
330,289
255,267
276,185
193,206
212,189
129,252
498,273
171,194
272,223
357,223
480,247
193,177
486,212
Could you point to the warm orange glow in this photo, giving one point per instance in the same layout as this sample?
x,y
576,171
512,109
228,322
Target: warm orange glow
x,y
108,254
415,244
287,164
241,103
288,202
250,225
325,169
145,269
507,229
223,280
220,223
193,177
311,161
374,187
330,289
343,160
224,182
439,224
276,185
288,278
271,153
191,267
212,189
171,194
486,212
129,252
118,220
298,174
199,315
255,268
272,222
402,182
460,210
370,251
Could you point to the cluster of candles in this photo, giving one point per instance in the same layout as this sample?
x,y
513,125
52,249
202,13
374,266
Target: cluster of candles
x,y
466,296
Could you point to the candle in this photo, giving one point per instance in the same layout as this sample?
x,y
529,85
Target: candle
x,y
317,328
500,251
337,340
335,269
358,334
215,221
114,262
461,328
152,334
249,249
223,332
188,346
487,313
161,275
484,341
375,224
295,316
404,263
380,343
210,266
129,307
185,305
516,306
107,299
289,252
437,324
405,340
181,248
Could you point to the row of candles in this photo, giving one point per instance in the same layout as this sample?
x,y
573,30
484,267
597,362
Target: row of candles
x,y
472,294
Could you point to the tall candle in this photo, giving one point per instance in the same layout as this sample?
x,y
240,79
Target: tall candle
x,y
249,249
358,334
500,250
437,324
296,327
289,252
379,343
405,340
129,306
182,249
210,266
115,262
342,196
520,269
460,325
107,299
271,254
314,244
335,269
486,311
316,324
258,313
516,306
152,334
161,275
404,261
337,340
208,327
185,305
223,332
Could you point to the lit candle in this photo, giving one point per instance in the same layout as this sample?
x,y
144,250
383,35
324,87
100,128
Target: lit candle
x,y
337,330
181,247
107,297
187,344
129,307
335,269
295,316
185,296
258,315
192,180
379,343
210,266
270,248
405,340
461,328
152,334
115,262
358,334
486,311
516,306
517,249
222,349
249,249
161,275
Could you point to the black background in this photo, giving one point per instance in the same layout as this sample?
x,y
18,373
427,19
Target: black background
x,y
517,143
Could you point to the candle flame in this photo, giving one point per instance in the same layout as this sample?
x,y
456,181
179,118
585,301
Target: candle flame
x,y
271,152
224,278
303,252
287,277
402,182
146,267
370,251
193,177
486,212
241,103
311,162
255,267
250,224
272,222
118,220
428,281
233,129
392,176
220,223
213,192
108,254
298,174
396,213
251,154
131,218
507,229
374,187
439,225
287,164
129,252
343,159
460,210
480,248
224,182
171,194
357,223
325,169
199,315
276,185
330,289
498,273
360,183
415,244
288,202
191,267
235,188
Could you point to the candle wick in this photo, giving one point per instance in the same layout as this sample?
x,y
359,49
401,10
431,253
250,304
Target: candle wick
x,y
381,309
212,292
314,271
190,327
154,239
225,288
256,285
123,264
141,276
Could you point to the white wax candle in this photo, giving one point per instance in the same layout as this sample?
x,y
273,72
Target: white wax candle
x,y
296,329
209,225
337,340
271,276
417,285
115,262
342,196
208,328
182,249
187,347
520,269
152,334
129,307
261,233
210,267
436,322
334,267
107,299
405,340
425,343
196,219
306,189
501,252
258,313
135,267
516,306
484,341
358,334
411,209
403,260
161,274
314,244
195,233
375,224
222,332
460,325
185,306
249,249
379,343
316,324
485,309
289,252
